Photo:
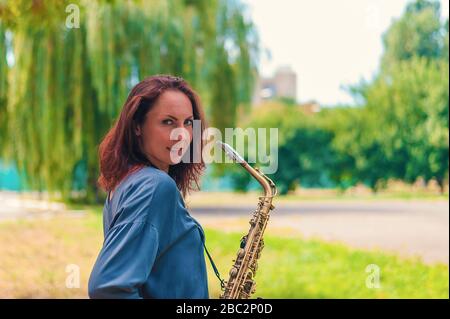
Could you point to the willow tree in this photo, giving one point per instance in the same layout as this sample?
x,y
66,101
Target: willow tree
x,y
3,89
66,85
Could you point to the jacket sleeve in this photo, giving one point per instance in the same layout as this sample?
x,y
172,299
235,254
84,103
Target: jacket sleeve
x,y
125,261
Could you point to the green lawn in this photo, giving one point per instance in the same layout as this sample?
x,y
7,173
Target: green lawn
x,y
295,268
35,254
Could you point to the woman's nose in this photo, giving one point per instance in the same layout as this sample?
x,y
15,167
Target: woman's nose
x,y
181,133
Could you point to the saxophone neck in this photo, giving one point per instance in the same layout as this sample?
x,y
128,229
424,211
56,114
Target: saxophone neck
x,y
270,190
268,185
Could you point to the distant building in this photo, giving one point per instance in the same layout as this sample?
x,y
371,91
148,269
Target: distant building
x,y
282,85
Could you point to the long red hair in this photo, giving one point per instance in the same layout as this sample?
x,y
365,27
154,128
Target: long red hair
x,y
120,152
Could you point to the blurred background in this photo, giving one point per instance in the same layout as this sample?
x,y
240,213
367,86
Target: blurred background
x,y
358,91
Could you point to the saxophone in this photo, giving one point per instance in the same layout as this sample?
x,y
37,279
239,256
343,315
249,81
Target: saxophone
x,y
241,284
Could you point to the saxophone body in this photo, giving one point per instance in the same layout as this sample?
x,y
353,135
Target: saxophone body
x,y
241,283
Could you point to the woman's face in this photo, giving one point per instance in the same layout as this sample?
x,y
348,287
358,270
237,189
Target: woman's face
x,y
170,115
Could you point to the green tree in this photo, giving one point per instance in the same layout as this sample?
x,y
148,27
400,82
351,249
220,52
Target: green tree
x,y
304,153
419,32
3,88
445,48
404,110
404,131
67,85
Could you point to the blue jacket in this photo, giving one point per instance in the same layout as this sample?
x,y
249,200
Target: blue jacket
x,y
152,247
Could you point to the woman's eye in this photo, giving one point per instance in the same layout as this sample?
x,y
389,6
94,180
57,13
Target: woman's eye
x,y
189,122
168,122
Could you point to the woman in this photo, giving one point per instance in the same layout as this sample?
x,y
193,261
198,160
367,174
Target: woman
x,y
152,247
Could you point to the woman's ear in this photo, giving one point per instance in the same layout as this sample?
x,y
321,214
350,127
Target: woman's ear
x,y
137,130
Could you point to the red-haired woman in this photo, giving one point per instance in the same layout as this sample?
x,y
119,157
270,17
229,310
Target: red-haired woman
x,y
152,247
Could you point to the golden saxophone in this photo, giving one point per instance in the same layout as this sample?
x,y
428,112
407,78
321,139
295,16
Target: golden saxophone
x,y
241,284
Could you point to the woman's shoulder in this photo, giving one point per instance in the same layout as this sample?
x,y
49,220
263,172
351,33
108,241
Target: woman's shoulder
x,y
149,181
152,176
144,194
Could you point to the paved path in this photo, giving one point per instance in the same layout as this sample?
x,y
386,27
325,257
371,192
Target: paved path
x,y
409,228
14,206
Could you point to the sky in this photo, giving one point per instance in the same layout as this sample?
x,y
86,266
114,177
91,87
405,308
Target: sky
x,y
329,44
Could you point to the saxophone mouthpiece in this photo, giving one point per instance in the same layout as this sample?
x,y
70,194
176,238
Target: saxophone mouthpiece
x,y
230,152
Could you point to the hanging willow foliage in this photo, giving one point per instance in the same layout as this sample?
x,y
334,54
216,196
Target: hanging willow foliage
x,y
3,90
66,85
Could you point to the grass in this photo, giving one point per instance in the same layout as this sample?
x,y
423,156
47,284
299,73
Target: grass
x,y
296,268
35,254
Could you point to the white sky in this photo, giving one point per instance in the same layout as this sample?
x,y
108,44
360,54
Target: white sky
x,y
328,43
